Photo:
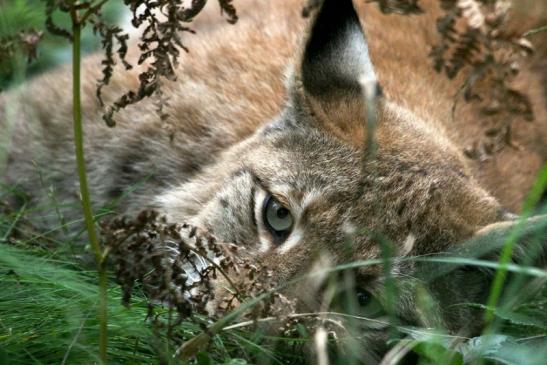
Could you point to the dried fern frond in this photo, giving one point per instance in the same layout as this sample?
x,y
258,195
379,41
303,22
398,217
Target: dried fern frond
x,y
179,266
26,41
109,35
398,6
164,22
475,41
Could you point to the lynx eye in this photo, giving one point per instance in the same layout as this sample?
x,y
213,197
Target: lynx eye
x,y
277,218
368,303
364,298
360,300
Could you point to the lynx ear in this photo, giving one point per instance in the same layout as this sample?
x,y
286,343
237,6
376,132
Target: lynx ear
x,y
336,53
335,62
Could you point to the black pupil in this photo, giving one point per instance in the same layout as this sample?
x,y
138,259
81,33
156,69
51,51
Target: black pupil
x,y
282,213
362,298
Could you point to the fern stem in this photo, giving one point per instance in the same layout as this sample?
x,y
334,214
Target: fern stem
x,y
84,191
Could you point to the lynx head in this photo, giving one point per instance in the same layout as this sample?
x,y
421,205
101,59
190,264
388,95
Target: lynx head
x,y
334,176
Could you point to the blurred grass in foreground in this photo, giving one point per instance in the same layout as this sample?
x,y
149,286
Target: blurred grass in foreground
x,y
48,303
48,297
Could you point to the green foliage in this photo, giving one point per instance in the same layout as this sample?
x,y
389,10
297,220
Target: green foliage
x,y
48,306
48,298
17,16
48,313
506,350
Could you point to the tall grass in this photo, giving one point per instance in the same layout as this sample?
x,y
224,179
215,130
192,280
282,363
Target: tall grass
x,y
507,252
48,301
48,313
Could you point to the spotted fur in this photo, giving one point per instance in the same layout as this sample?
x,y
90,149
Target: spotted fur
x,y
274,105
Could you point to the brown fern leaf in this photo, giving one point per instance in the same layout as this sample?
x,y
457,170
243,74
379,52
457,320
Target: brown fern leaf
x,y
474,40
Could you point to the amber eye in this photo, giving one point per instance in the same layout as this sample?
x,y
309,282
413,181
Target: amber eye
x,y
277,218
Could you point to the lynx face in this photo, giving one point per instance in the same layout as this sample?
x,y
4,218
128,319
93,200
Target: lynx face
x,y
300,187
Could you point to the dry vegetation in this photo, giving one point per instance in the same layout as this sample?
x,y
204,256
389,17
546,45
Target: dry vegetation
x,y
172,267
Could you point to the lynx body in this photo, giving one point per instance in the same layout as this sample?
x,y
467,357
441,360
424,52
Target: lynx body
x,y
267,136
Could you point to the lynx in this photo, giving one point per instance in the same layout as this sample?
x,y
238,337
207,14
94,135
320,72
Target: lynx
x,y
270,125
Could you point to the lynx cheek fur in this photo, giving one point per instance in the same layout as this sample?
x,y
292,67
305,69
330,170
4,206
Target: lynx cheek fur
x,y
277,166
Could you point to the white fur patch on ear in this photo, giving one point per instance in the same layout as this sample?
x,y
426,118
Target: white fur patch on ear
x,y
336,54
353,56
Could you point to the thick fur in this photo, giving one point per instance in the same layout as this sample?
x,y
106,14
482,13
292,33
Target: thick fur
x,y
272,105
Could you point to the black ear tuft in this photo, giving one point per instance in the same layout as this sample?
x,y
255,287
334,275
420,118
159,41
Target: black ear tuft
x,y
336,55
